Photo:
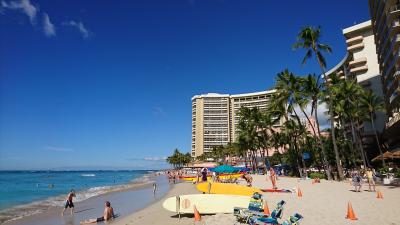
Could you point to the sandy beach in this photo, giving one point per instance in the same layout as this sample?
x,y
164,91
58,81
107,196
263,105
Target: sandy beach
x,y
322,203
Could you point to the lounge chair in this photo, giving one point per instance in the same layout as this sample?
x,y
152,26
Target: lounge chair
x,y
245,215
293,220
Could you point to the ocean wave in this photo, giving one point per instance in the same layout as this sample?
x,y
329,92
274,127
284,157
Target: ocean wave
x,y
21,211
88,175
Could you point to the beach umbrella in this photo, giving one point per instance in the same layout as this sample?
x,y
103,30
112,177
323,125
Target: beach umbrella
x,y
224,169
396,154
386,155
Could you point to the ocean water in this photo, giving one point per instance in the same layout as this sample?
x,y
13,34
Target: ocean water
x,y
25,191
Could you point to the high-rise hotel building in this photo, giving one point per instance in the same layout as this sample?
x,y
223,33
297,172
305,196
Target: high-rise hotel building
x,y
361,64
385,16
215,117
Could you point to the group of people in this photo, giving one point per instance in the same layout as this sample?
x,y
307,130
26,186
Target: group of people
x,y
173,175
108,212
357,179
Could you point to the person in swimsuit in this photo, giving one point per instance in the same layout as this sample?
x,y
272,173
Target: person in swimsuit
x,y
248,179
69,203
107,215
272,175
370,177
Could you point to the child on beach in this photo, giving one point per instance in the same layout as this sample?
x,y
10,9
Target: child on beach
x,y
107,215
69,202
357,180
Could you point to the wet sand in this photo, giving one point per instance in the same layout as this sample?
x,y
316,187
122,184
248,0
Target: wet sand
x,y
123,202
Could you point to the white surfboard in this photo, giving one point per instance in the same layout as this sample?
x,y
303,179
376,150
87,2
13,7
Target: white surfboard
x,y
205,203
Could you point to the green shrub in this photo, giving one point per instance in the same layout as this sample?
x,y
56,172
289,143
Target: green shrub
x,y
314,175
384,169
397,173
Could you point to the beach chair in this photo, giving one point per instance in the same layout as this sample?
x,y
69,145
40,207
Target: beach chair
x,y
293,220
245,215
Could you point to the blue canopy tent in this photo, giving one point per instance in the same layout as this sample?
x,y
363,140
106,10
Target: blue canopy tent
x,y
225,169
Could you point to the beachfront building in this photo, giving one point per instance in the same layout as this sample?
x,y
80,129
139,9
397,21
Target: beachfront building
x,y
385,16
361,63
215,117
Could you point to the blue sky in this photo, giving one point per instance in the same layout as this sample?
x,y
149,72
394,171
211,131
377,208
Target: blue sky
x,y
108,84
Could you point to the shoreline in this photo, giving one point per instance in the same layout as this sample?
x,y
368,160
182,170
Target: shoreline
x,y
156,214
92,207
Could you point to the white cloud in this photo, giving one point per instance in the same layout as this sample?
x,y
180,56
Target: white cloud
x,y
81,28
48,26
58,149
323,118
155,158
23,5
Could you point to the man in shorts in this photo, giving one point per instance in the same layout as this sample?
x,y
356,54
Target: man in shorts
x,y
108,214
69,203
370,177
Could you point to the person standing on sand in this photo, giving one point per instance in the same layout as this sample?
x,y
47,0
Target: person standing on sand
x,y
154,188
356,179
69,202
204,174
370,178
272,175
108,214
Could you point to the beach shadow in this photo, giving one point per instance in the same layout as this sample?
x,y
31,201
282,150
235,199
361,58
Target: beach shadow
x,y
355,191
83,210
188,215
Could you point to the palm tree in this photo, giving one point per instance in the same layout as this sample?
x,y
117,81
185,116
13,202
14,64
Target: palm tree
x,y
308,39
312,90
373,104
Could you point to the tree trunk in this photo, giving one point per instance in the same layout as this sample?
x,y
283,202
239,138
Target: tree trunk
x,y
326,164
377,140
335,148
355,141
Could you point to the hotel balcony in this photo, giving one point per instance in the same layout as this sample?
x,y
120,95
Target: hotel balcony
x,y
392,120
352,48
385,41
394,46
388,69
357,62
354,40
394,99
359,69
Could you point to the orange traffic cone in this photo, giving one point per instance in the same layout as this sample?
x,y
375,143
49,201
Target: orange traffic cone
x,y
379,194
197,216
299,193
266,209
350,212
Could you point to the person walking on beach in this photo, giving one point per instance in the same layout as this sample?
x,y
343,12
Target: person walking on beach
x,y
154,188
69,202
204,174
108,214
370,177
272,175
